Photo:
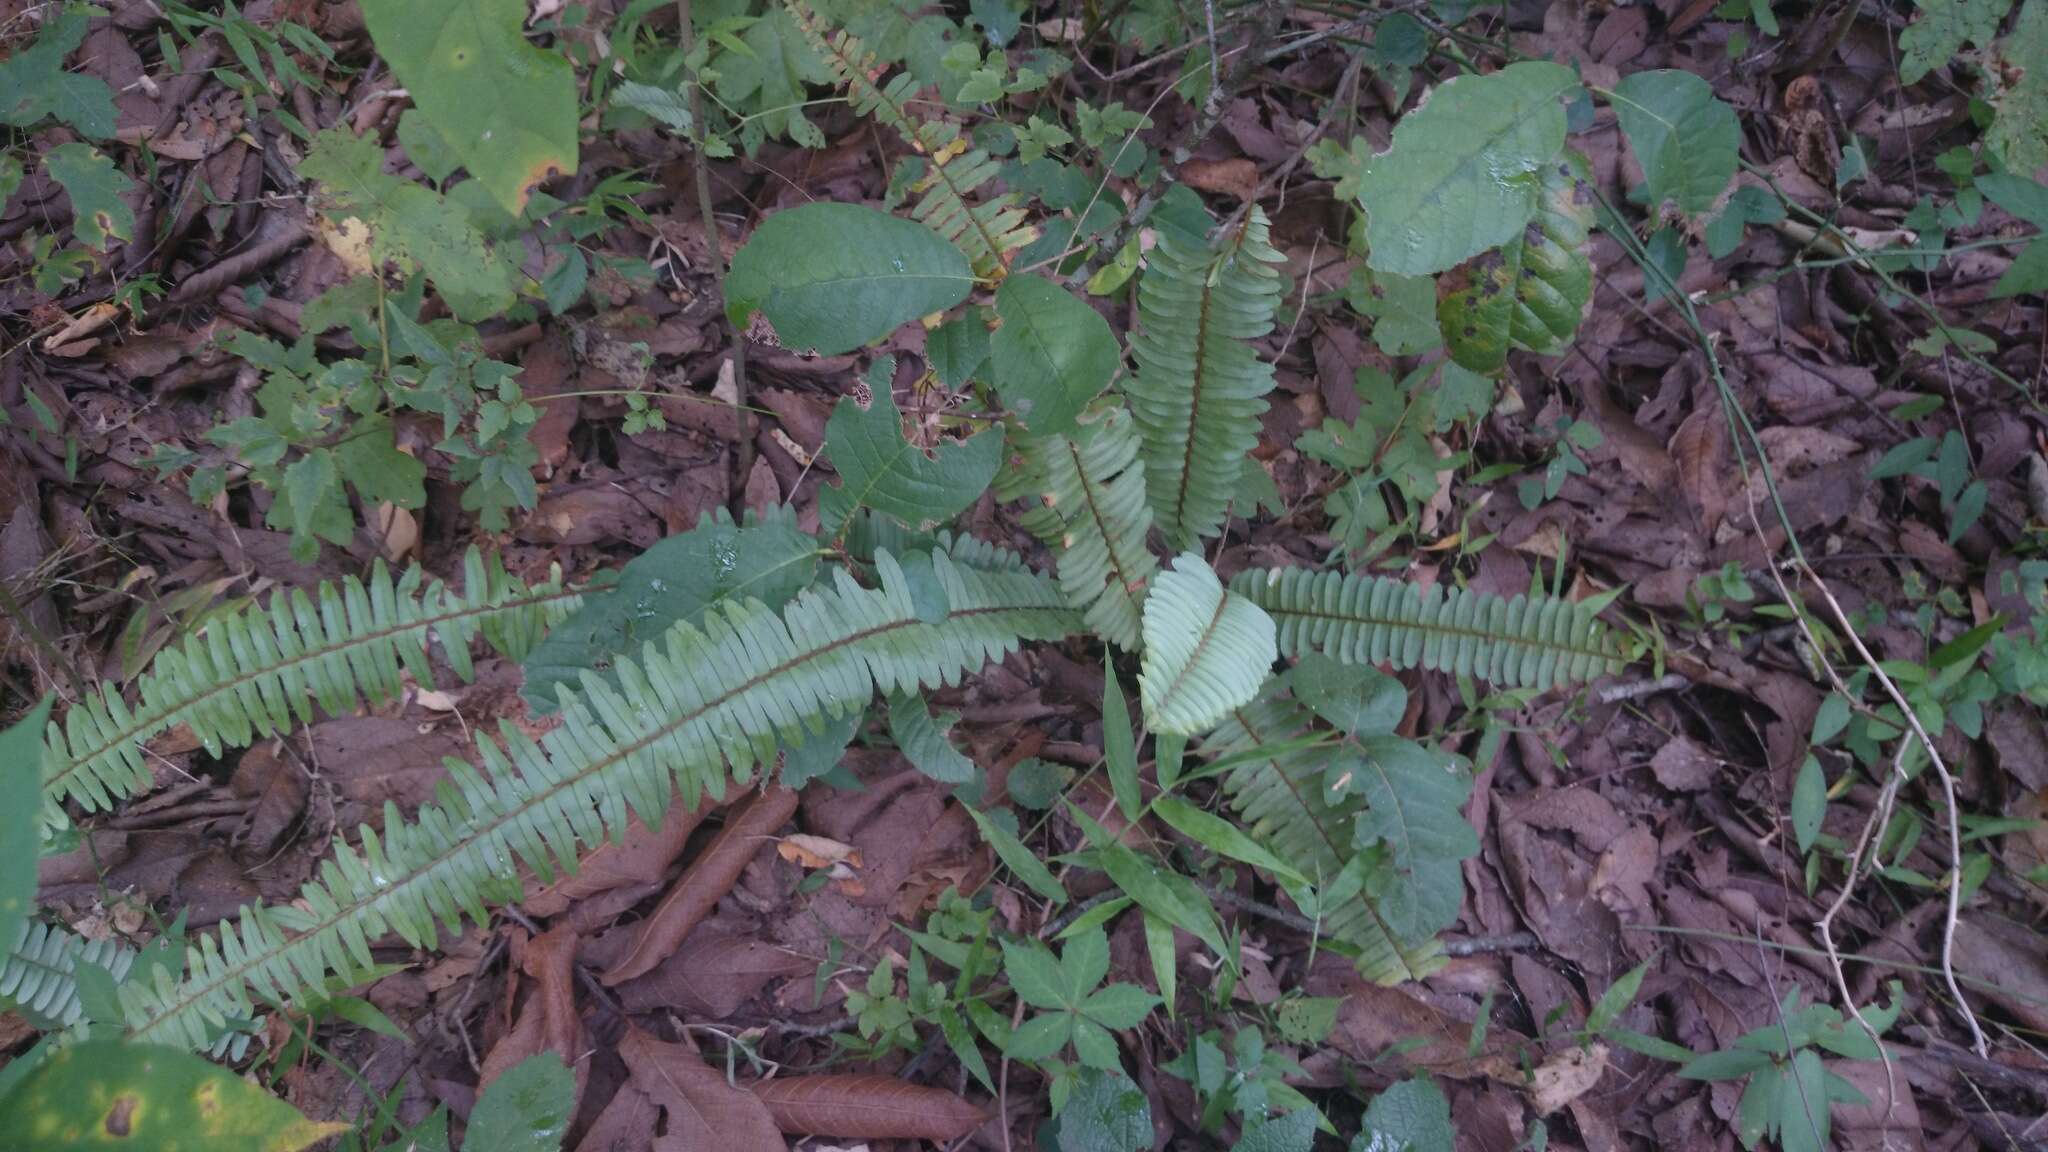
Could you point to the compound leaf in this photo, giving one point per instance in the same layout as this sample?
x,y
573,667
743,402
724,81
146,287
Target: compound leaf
x,y
1942,29
1459,177
34,84
505,107
832,277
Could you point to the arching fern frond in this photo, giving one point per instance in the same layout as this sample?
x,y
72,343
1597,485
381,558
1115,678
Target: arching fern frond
x,y
1207,650
258,671
1197,394
1278,785
1526,642
38,973
986,232
699,709
1089,506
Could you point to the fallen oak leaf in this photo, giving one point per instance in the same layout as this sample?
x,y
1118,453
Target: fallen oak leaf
x,y
704,1110
866,1107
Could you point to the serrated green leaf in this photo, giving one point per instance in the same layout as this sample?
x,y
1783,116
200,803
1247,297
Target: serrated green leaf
x,y
1941,29
21,779
1355,699
1411,1116
371,462
1685,138
879,469
34,83
1105,1112
508,109
1052,355
1402,310
922,738
525,1110
766,558
833,277
1530,292
664,106
156,1097
1459,177
1035,975
95,186
1207,650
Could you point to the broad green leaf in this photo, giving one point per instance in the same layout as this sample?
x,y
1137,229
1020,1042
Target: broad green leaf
x,y
426,147
1207,650
1035,975
881,470
1020,859
1294,1132
1223,837
1119,745
1940,31
370,460
922,738
1809,803
1531,291
833,277
665,106
2028,200
21,782
1459,177
508,109
1802,1120
1415,798
766,558
1685,138
113,1094
1748,205
1356,699
10,177
1410,1116
99,215
525,1110
34,83
1052,355
1105,1112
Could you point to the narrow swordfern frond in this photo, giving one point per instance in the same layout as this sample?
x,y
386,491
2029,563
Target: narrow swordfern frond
x,y
1279,789
1090,508
985,232
38,972
702,708
1526,642
1199,387
258,671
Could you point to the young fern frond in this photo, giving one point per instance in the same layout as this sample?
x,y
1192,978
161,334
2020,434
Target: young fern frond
x,y
38,972
1089,507
257,672
987,232
1280,791
1199,387
1526,642
699,709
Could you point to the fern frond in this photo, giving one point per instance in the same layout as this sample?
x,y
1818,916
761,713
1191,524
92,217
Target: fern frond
x,y
868,533
38,973
1279,790
1090,508
703,707
986,232
258,671
1526,642
1207,650
1199,387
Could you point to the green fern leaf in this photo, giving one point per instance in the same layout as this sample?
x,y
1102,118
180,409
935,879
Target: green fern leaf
x,y
1091,510
1207,650
259,671
704,708
1530,292
1199,387
1526,642
38,972
986,232
924,740
1277,786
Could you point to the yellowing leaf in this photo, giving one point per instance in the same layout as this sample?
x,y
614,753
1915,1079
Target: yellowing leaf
x,y
505,107
95,186
113,1094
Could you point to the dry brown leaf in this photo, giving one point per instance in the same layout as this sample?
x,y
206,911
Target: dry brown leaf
x,y
549,1021
642,857
815,852
623,1125
1566,1076
712,974
866,1108
704,1111
1237,176
704,883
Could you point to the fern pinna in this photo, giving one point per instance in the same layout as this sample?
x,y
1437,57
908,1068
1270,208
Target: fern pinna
x,y
986,232
1200,385
258,671
702,708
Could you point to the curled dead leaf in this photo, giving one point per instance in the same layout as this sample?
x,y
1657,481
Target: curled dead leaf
x,y
1565,1076
866,1108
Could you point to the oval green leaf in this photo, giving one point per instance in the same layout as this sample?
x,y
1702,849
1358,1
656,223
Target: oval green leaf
x,y
1052,355
833,277
114,1094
